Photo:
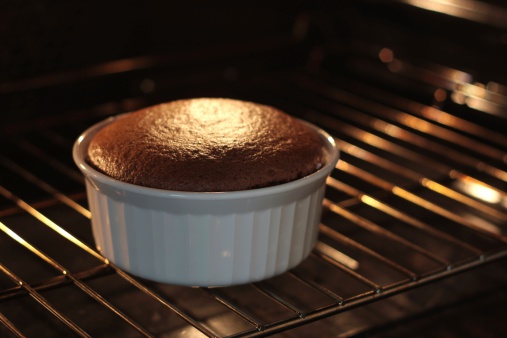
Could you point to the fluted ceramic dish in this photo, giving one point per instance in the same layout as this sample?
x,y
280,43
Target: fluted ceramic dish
x,y
204,239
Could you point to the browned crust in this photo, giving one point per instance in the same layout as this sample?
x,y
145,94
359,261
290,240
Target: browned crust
x,y
206,144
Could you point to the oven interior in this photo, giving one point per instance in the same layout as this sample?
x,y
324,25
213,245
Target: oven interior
x,y
413,239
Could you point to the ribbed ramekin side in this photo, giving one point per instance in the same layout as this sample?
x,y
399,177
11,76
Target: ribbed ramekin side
x,y
202,249
299,236
96,220
271,241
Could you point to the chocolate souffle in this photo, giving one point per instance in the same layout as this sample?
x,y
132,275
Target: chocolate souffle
x,y
207,145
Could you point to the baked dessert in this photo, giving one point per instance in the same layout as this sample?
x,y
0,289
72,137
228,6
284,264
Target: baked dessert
x,y
198,238
207,145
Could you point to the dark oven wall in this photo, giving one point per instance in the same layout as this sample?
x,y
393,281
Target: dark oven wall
x,y
413,236
47,37
61,55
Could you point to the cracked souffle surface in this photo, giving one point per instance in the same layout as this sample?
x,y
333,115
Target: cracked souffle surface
x,y
206,145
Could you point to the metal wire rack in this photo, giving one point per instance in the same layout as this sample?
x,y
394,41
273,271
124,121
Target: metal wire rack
x,y
419,197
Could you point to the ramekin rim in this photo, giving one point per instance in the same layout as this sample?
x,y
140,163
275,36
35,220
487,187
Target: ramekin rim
x,y
80,160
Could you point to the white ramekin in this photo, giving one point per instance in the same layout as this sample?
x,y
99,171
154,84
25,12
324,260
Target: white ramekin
x,y
204,239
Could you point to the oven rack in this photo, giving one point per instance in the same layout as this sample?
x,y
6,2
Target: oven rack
x,y
400,213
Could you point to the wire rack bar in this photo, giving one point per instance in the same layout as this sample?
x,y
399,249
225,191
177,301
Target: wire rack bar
x,y
370,226
335,235
422,180
428,112
413,198
335,309
317,286
58,195
41,155
278,299
89,291
164,301
386,145
221,298
33,293
379,205
10,326
58,281
413,122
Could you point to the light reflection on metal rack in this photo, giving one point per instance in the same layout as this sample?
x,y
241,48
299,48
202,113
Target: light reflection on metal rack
x,y
411,197
337,256
379,205
488,98
427,112
372,227
89,291
413,122
384,144
25,286
471,10
423,181
326,230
